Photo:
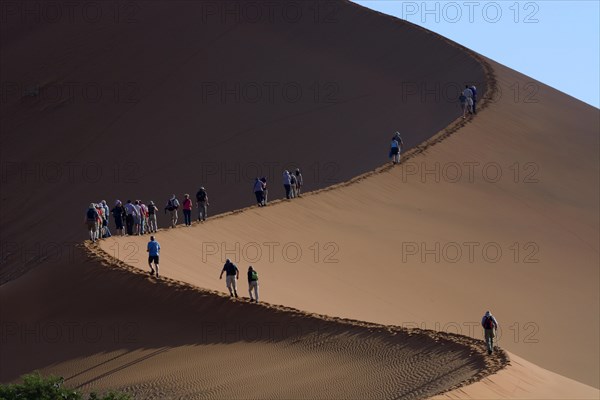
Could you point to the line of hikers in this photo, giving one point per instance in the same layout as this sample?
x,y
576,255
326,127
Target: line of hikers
x,y
232,275
292,184
138,218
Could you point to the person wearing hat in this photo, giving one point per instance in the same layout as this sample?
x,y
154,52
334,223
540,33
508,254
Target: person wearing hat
x,y
490,325
252,283
202,203
91,221
232,274
152,226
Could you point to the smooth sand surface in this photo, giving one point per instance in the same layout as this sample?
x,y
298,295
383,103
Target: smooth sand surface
x,y
523,380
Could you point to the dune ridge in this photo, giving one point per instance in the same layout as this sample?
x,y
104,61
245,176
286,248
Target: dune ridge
x,y
167,346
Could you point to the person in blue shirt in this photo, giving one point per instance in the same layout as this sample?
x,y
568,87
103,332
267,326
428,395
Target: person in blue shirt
x,y
490,325
153,253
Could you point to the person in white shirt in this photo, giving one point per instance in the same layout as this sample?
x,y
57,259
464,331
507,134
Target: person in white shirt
x,y
468,93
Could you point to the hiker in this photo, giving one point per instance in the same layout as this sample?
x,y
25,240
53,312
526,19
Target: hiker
x,y
129,217
252,283
293,186
468,93
143,218
474,90
232,273
137,218
99,220
398,138
395,152
91,221
153,250
399,146
299,182
265,190
105,230
202,203
118,213
258,192
286,183
490,325
463,104
187,210
152,209
172,206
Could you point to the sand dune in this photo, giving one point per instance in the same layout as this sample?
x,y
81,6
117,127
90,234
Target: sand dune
x,y
358,252
367,268
191,96
120,329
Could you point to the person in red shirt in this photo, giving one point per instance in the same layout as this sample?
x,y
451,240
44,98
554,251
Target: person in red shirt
x,y
187,210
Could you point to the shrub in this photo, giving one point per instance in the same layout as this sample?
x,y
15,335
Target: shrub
x,y
37,387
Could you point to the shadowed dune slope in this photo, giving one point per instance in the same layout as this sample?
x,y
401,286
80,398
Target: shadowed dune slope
x,y
394,248
178,94
118,329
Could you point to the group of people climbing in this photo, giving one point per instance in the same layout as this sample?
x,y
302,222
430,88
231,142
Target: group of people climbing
x,y
187,205
292,183
96,220
232,274
138,218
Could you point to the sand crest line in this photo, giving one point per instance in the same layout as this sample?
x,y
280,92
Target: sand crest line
x,y
492,364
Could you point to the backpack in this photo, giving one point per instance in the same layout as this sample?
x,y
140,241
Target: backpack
x,y
173,205
91,214
292,179
488,323
254,276
201,195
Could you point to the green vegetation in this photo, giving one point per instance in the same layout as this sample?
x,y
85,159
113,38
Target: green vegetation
x,y
37,387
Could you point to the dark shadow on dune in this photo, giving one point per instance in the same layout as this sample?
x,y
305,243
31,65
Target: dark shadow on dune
x,y
168,314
